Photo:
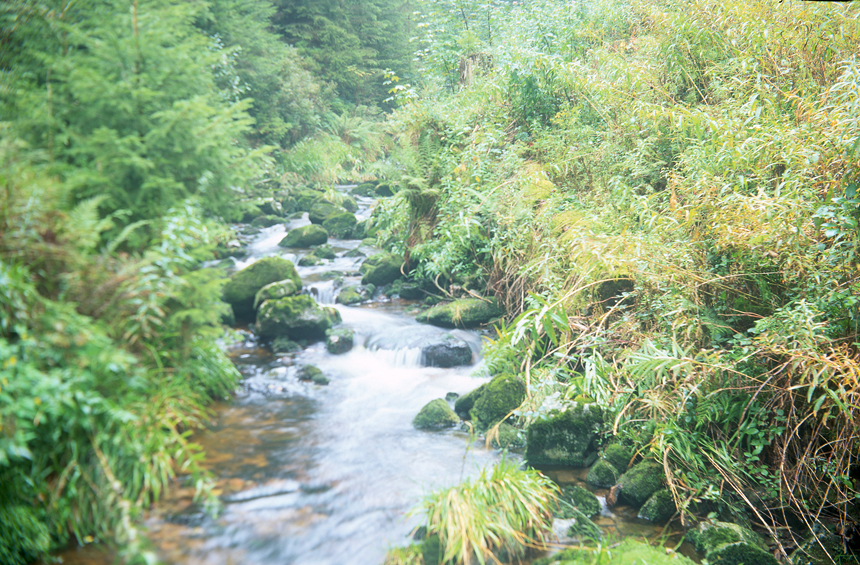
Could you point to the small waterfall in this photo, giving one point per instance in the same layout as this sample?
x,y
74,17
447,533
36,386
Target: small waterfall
x,y
324,292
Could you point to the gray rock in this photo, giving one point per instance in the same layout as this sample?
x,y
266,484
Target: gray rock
x,y
447,352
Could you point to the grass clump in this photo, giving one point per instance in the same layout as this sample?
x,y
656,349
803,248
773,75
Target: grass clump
x,y
505,509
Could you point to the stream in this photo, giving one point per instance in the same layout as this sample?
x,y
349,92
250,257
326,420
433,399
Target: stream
x,y
327,475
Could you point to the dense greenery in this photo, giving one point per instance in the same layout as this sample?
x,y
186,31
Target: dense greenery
x,y
664,195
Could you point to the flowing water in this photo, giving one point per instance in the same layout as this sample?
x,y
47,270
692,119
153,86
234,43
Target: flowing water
x,y
327,475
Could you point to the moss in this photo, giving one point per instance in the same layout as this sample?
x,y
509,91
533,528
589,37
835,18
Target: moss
x,y
602,475
618,456
640,482
322,209
431,550
463,406
564,438
340,224
435,415
266,221
279,289
581,499
503,394
324,252
243,286
740,553
381,269
23,537
310,260
313,374
660,507
628,552
339,341
296,317
305,236
582,527
281,345
710,535
365,189
349,295
462,313
509,437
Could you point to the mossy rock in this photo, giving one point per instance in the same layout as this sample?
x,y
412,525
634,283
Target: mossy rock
x,y
283,345
384,189
243,286
810,552
462,313
710,535
509,437
324,252
628,552
432,550
340,224
339,340
660,507
279,289
463,406
349,295
267,220
565,438
618,456
502,395
582,527
411,291
602,475
349,204
23,537
640,482
740,553
295,317
580,498
365,189
321,210
305,236
310,260
306,198
313,374
381,269
435,415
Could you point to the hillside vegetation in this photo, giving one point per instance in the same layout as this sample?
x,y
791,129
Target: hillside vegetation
x,y
664,195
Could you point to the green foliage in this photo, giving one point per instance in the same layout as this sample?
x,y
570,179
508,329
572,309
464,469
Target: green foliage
x,y
25,538
503,509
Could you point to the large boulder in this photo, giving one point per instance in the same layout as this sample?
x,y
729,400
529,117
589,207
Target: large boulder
x,y
446,352
340,224
267,220
435,415
640,482
602,474
322,209
618,456
575,496
502,395
240,290
305,236
463,406
279,289
723,543
381,269
462,313
565,438
296,317
351,295
660,507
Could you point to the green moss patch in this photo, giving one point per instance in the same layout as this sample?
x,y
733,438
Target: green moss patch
x,y
503,394
435,415
305,236
564,438
462,313
243,286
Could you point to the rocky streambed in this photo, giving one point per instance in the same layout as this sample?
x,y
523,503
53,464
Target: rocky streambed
x,y
322,454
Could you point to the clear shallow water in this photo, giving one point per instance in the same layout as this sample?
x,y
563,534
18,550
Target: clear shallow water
x,y
327,475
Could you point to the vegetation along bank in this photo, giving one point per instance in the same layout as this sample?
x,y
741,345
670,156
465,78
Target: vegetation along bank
x,y
659,196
